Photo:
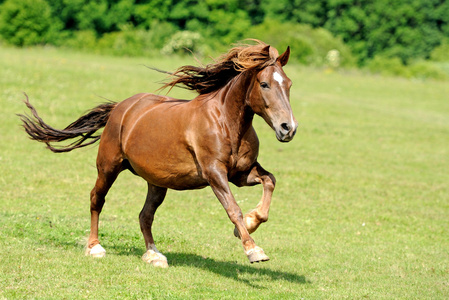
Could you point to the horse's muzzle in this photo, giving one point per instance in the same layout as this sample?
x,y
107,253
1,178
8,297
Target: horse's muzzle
x,y
286,132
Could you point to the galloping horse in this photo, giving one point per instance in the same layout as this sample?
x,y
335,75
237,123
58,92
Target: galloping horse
x,y
181,145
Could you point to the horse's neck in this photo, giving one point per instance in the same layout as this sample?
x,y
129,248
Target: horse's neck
x,y
233,98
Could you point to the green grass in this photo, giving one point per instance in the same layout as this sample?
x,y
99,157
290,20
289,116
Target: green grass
x,y
360,210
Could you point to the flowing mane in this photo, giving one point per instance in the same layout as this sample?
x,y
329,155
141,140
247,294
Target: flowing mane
x,y
216,75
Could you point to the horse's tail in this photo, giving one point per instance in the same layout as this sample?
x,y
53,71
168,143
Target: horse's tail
x,y
82,129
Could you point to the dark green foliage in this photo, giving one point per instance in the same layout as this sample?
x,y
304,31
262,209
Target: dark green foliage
x,y
27,22
403,28
311,45
129,41
98,15
297,11
407,29
221,21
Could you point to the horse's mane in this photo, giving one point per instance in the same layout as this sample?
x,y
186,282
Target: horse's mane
x,y
216,75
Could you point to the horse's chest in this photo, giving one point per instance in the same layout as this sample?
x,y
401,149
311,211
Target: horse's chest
x,y
243,159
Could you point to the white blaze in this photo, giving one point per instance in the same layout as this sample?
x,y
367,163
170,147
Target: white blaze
x,y
278,77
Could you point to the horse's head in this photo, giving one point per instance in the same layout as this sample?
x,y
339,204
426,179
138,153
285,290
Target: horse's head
x,y
269,98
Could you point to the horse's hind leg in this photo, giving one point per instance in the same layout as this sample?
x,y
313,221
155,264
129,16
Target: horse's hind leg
x,y
259,215
155,197
108,166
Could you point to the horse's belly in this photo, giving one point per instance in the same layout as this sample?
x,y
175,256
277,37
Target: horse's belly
x,y
164,162
169,174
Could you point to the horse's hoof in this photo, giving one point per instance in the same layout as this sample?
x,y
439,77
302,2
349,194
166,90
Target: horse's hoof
x,y
157,259
256,255
96,251
160,263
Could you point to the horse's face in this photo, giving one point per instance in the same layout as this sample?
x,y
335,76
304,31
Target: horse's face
x,y
270,99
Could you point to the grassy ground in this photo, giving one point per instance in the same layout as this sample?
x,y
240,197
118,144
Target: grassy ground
x,y
361,207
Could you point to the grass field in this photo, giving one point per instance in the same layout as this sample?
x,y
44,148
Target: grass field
x,y
360,210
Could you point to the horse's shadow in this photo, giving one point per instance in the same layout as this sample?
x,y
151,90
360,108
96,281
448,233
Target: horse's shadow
x,y
248,274
233,270
245,273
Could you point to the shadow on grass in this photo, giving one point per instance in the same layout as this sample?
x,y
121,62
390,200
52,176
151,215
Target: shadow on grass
x,y
248,274
245,273
233,270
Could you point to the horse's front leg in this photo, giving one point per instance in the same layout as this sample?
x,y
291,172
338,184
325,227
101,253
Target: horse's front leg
x,y
259,215
218,180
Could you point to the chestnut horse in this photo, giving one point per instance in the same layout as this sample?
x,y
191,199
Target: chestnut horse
x,y
179,144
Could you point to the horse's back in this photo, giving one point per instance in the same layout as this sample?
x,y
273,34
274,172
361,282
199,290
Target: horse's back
x,y
139,103
152,115
125,112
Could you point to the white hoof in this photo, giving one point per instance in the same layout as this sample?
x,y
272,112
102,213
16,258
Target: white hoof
x,y
155,258
96,251
256,255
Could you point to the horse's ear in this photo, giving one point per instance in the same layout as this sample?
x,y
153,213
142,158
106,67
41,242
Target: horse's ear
x,y
283,59
266,49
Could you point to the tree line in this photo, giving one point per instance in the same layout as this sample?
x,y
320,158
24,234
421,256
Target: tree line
x,y
406,29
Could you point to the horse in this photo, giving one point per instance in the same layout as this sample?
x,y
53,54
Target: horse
x,y
182,145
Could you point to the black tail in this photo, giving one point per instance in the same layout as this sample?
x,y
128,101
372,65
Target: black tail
x,y
82,129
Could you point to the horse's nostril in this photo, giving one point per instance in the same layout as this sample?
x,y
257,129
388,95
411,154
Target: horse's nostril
x,y
285,126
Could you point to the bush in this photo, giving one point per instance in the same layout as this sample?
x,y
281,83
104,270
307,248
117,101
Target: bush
x,y
182,42
427,70
28,22
129,41
441,53
406,29
390,66
82,40
309,45
394,67
160,33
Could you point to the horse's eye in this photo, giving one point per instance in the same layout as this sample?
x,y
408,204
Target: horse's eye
x,y
264,85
